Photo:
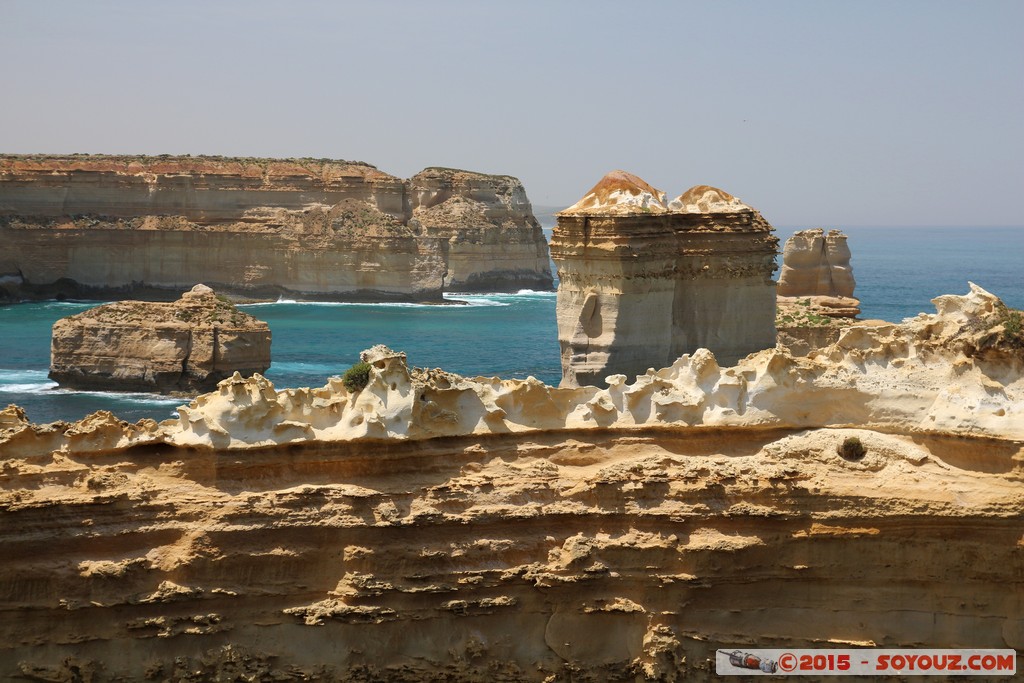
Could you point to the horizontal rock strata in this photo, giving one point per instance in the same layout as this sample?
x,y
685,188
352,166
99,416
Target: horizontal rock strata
x,y
642,282
98,226
186,346
434,527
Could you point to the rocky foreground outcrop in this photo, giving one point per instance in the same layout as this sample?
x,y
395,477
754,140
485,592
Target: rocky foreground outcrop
x,y
435,527
92,226
642,281
182,347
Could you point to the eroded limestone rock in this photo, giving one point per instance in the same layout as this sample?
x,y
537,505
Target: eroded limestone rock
x,y
957,372
553,534
815,291
642,283
185,346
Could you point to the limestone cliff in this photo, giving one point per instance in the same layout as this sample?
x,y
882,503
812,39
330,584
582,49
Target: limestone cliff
x,y
186,346
492,240
434,527
108,226
642,282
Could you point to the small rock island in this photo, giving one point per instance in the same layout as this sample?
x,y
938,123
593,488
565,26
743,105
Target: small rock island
x,y
182,347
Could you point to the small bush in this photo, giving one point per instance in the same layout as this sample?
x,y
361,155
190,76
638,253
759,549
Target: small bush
x,y
1012,335
852,449
1013,326
357,377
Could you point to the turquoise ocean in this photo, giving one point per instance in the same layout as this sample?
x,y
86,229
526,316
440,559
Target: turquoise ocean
x,y
898,271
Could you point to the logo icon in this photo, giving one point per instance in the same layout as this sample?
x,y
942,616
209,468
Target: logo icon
x,y
745,660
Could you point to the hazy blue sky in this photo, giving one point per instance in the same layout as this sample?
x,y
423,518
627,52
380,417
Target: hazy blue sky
x,y
815,112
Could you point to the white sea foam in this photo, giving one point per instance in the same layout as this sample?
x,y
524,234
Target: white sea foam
x,y
20,376
27,388
470,300
129,397
26,381
520,294
332,304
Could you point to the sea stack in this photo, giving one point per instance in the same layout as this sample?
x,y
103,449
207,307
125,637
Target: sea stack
x,y
643,281
182,347
816,267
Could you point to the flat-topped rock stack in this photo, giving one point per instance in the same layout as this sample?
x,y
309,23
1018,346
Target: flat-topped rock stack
x,y
306,228
181,347
644,281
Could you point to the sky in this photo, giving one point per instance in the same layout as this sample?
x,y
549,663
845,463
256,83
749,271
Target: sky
x,y
815,112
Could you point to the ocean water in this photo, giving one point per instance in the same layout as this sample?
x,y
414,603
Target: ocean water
x,y
898,272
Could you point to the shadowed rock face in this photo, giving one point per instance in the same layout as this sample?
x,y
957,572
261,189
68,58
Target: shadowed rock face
x,y
185,346
641,282
99,227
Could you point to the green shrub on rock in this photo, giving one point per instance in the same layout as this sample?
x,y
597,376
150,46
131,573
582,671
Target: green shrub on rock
x,y
356,377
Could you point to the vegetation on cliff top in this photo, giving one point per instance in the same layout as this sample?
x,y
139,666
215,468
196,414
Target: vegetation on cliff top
x,y
802,315
1011,334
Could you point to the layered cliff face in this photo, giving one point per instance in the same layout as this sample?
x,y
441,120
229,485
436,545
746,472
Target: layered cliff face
x,y
491,239
642,282
95,226
186,346
434,527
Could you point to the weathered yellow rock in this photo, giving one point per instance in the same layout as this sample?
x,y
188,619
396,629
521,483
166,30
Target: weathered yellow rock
x,y
492,241
185,346
642,283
